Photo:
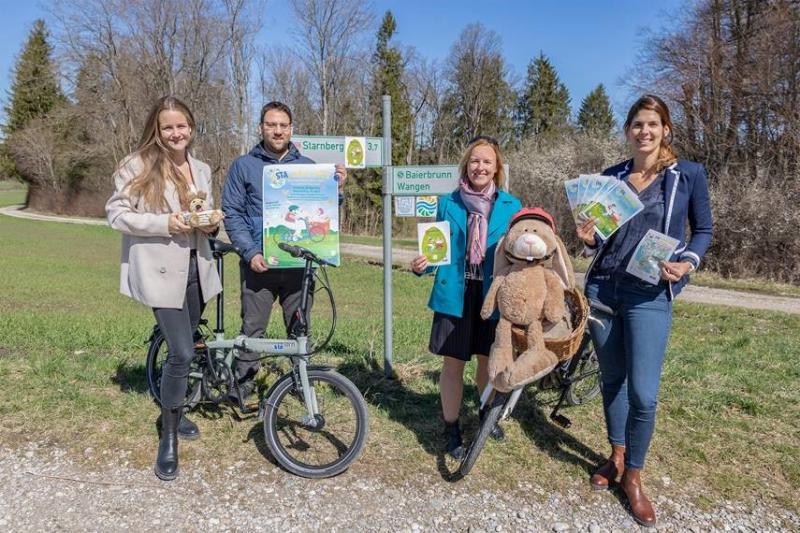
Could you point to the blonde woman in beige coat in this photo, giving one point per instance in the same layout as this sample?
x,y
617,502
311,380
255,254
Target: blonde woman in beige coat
x,y
166,264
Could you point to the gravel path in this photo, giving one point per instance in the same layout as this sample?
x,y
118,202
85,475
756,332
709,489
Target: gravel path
x,y
43,490
691,293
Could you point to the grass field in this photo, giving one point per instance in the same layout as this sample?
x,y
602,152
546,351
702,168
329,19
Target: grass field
x,y
72,356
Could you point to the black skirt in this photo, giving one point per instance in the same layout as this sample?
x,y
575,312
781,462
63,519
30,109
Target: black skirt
x,y
470,334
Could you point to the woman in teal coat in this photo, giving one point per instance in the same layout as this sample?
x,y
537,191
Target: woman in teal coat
x,y
478,213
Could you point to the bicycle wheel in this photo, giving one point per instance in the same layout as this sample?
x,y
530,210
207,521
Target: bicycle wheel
x,y
585,378
333,443
156,356
489,420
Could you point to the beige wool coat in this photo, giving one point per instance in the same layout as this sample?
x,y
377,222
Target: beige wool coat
x,y
155,265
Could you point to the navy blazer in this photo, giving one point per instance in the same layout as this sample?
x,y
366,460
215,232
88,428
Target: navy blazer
x,y
686,198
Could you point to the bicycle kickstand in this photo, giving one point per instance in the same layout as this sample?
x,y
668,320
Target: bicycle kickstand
x,y
560,419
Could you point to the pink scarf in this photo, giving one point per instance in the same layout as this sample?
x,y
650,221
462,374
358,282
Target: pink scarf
x,y
479,206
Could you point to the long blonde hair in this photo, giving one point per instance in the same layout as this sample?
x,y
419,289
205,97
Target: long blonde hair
x,y
158,168
651,102
483,140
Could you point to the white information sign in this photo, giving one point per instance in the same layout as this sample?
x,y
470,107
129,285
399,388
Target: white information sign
x,y
331,149
427,180
404,206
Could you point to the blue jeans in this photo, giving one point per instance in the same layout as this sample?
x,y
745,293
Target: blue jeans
x,y
630,345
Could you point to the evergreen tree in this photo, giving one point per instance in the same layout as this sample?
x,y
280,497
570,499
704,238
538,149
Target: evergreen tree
x,y
34,90
544,102
389,66
595,115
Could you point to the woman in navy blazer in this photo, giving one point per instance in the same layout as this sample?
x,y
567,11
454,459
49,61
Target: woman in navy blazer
x,y
478,213
635,316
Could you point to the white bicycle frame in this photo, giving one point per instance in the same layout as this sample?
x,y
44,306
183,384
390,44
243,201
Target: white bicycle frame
x,y
294,349
510,404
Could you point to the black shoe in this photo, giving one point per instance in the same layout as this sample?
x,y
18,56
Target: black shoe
x,y
166,467
454,445
246,388
188,430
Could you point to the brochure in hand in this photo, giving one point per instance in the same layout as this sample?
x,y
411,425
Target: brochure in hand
x,y
611,208
652,250
583,189
434,242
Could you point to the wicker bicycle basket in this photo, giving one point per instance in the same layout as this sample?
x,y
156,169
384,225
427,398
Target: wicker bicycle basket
x,y
562,347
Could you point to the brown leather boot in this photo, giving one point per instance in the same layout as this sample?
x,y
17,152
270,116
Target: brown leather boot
x,y
641,508
606,475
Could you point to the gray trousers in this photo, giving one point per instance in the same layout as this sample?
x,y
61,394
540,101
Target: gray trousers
x,y
178,326
260,290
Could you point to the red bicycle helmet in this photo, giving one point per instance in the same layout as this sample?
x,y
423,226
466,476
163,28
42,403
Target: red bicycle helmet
x,y
534,212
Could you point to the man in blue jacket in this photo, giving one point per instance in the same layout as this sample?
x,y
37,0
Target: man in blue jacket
x,y
242,204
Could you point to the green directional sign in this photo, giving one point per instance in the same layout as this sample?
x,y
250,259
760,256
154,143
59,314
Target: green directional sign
x,y
331,149
426,180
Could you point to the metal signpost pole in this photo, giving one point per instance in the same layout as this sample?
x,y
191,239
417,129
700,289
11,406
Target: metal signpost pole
x,y
387,236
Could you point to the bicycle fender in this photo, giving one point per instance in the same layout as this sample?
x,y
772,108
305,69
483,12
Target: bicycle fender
x,y
290,375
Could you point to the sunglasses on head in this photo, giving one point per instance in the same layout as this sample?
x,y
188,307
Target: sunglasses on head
x,y
490,140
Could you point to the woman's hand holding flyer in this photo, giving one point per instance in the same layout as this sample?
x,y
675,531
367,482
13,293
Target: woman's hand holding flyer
x,y
650,253
434,242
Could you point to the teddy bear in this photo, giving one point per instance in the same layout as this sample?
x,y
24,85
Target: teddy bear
x,y
531,272
198,214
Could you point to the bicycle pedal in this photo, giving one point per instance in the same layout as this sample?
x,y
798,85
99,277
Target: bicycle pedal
x,y
247,408
561,420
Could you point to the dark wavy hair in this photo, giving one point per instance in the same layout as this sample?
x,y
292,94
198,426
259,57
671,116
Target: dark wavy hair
x,y
651,102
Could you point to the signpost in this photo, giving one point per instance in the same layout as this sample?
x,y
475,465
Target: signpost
x,y
331,149
424,180
427,180
402,181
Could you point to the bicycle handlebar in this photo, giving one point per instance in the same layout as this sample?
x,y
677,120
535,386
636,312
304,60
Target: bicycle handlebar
x,y
299,251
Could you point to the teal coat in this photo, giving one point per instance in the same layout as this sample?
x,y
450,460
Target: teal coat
x,y
447,295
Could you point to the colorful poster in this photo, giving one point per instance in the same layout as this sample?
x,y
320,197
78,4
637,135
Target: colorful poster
x,y
300,207
426,206
355,152
652,250
433,240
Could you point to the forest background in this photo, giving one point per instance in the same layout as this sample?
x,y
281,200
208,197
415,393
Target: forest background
x,y
730,70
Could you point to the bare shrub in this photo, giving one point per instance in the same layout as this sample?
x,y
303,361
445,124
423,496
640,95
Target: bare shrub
x,y
539,167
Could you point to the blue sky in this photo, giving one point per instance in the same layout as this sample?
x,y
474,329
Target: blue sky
x,y
589,42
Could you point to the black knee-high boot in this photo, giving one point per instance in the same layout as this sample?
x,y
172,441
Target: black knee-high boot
x,y
167,459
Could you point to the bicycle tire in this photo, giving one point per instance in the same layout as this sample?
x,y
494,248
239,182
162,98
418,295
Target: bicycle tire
x,y
587,384
491,417
282,418
154,363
